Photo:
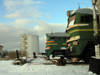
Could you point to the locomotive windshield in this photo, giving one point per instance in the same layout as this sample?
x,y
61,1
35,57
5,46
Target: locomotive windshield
x,y
71,20
53,38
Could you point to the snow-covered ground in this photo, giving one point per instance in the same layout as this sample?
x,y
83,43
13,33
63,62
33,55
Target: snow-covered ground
x,y
38,68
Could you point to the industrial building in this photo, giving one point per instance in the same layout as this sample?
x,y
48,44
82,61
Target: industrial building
x,y
1,51
29,44
23,44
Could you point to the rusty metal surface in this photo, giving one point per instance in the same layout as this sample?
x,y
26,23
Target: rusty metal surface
x,y
98,7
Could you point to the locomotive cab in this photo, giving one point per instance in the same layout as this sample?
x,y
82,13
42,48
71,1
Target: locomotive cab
x,y
55,42
80,33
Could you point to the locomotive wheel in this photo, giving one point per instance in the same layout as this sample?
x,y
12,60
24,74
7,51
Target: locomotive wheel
x,y
61,61
88,56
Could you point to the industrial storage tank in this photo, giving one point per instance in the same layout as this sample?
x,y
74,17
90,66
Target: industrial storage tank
x,y
32,45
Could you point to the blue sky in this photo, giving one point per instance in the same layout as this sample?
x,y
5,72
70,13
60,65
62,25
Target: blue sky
x,y
34,17
56,9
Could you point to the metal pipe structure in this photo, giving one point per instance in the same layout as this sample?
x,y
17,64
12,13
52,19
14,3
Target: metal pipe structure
x,y
17,54
96,35
95,61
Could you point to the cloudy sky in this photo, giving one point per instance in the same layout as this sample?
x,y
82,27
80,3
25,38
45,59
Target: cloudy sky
x,y
34,17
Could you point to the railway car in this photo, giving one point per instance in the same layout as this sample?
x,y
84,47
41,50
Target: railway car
x,y
55,41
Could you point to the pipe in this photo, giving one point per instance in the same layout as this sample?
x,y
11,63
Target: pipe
x,y
17,54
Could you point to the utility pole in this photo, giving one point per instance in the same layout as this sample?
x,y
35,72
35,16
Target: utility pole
x,y
95,61
96,32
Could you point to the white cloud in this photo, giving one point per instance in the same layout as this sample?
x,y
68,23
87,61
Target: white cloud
x,y
48,16
25,13
44,28
12,5
10,35
22,8
22,23
4,27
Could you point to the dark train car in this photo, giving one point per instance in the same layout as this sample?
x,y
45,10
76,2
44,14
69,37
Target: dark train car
x,y
55,41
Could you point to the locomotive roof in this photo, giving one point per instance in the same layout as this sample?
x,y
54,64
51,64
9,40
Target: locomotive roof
x,y
57,34
82,10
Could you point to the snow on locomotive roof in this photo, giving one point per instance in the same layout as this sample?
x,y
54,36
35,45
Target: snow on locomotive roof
x,y
81,10
57,34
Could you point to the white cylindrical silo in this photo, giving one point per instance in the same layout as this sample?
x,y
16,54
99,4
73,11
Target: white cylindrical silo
x,y
32,45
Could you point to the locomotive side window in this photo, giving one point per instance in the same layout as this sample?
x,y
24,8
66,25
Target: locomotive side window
x,y
97,18
86,19
82,19
53,38
59,38
64,39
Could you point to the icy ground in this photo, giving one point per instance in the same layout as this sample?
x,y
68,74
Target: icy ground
x,y
38,68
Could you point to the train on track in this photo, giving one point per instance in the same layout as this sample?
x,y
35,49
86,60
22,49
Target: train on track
x,y
79,42
54,42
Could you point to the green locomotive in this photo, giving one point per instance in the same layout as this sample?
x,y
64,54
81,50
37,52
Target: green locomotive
x,y
80,34
55,41
80,42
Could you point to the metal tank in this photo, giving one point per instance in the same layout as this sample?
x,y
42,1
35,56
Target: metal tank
x,y
32,45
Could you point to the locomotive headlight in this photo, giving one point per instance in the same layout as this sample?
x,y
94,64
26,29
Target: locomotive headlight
x,y
47,47
75,42
69,45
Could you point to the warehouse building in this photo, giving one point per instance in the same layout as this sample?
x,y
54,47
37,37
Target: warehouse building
x,y
1,51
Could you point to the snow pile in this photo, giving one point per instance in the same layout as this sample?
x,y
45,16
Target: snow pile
x,y
7,68
40,61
